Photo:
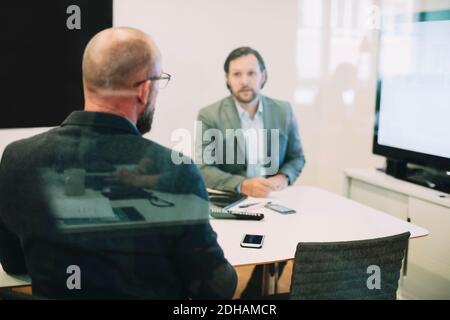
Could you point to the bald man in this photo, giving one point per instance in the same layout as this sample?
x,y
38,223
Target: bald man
x,y
74,212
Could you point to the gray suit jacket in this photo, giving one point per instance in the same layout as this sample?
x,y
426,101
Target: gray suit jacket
x,y
222,115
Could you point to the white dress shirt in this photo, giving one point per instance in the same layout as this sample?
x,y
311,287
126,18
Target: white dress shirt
x,y
254,142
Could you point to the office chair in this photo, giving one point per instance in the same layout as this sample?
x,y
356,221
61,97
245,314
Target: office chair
x,y
349,270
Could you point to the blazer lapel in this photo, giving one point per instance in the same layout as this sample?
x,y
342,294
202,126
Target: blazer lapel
x,y
271,120
233,121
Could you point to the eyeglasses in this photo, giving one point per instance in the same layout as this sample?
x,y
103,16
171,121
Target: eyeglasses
x,y
163,80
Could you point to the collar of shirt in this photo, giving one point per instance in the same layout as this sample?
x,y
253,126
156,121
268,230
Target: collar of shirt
x,y
132,123
242,112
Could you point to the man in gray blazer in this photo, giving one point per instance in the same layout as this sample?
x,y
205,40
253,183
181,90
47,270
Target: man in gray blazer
x,y
255,140
248,142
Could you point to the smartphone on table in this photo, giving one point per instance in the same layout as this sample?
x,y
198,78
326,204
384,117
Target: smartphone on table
x,y
279,208
252,241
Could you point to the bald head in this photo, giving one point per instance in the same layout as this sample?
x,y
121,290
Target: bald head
x,y
117,58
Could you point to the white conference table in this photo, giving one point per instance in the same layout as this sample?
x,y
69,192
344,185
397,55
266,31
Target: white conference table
x,y
321,217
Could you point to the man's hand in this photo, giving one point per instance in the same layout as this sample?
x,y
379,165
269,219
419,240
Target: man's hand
x,y
279,181
256,187
126,177
134,178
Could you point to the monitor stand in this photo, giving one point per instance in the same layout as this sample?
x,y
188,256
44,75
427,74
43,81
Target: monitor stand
x,y
396,168
424,176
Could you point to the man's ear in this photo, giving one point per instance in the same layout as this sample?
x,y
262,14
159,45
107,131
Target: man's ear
x,y
226,81
263,79
143,92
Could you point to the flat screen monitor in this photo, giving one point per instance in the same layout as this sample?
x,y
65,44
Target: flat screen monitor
x,y
413,94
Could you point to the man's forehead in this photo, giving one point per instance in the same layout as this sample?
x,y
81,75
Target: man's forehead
x,y
247,61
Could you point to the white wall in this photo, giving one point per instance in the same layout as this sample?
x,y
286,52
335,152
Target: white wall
x,y
195,37
320,56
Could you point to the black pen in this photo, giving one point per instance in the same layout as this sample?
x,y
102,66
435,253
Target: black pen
x,y
252,204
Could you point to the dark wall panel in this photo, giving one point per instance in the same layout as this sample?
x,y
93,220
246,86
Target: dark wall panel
x,y
40,59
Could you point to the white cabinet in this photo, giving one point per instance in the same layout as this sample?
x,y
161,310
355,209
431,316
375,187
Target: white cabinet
x,y
428,262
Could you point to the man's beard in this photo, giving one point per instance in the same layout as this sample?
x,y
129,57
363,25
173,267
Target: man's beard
x,y
145,120
241,100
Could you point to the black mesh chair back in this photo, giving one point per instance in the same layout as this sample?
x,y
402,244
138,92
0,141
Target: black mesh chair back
x,y
366,269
